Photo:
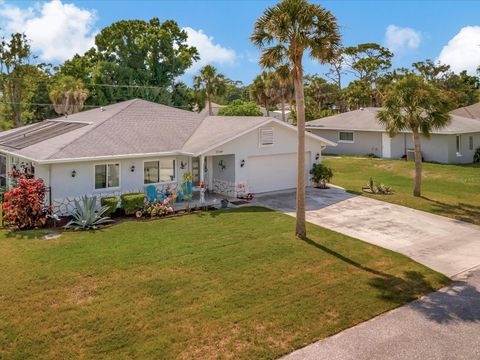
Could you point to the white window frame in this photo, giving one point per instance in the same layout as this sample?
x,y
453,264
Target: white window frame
x,y
471,145
347,141
458,145
175,168
260,137
106,174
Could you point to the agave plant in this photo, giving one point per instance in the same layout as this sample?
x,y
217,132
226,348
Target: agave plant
x,y
87,215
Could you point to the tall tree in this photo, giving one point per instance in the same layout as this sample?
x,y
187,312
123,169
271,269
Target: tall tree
x,y
211,83
337,68
286,89
413,104
134,58
14,56
369,62
263,90
285,32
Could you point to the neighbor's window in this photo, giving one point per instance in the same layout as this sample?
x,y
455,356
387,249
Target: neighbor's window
x,y
458,143
266,137
158,171
345,136
470,142
107,176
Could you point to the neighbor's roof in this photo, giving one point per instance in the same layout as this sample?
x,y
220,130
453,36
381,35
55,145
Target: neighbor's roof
x,y
471,112
128,129
365,120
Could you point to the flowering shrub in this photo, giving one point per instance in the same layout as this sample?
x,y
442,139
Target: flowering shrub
x,y
158,208
23,206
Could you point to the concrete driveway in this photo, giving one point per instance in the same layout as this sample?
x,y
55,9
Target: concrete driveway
x,y
446,245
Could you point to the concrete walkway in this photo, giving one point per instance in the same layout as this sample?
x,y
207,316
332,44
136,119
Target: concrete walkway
x,y
445,245
442,325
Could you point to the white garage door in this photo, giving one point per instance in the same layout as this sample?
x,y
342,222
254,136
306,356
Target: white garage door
x,y
274,172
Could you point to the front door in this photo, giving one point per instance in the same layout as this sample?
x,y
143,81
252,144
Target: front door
x,y
196,171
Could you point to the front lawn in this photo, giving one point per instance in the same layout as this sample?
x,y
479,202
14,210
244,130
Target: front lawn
x,y
230,283
448,190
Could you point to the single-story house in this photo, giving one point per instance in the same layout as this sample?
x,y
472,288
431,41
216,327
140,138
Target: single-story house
x,y
127,146
358,132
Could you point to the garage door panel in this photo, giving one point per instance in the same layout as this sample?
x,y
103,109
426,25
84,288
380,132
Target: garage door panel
x,y
274,172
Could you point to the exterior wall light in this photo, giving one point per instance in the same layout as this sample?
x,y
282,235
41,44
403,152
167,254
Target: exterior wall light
x,y
317,156
132,168
242,163
183,165
74,173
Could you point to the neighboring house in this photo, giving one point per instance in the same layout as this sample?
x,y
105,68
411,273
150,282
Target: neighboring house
x,y
358,132
127,146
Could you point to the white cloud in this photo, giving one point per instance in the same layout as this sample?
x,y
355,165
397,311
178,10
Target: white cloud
x,y
56,30
210,53
463,50
398,38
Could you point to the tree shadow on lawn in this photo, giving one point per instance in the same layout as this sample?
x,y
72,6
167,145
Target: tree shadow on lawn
x,y
463,212
241,209
458,302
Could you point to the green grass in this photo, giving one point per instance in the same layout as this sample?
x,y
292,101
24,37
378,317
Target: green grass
x,y
234,283
448,190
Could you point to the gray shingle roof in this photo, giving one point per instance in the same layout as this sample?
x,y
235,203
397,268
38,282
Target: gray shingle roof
x,y
365,120
133,128
472,111
215,129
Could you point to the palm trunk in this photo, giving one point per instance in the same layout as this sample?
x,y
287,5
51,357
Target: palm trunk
x,y
210,111
418,163
300,229
283,109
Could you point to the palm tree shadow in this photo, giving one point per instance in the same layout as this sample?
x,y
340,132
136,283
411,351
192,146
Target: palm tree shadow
x,y
462,211
458,302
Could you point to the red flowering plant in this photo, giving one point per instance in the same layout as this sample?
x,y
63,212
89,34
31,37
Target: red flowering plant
x,y
23,206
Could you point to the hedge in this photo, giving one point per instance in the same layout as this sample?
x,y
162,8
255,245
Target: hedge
x,y
132,202
111,202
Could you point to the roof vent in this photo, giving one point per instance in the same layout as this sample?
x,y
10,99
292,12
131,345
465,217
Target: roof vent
x,y
362,109
102,108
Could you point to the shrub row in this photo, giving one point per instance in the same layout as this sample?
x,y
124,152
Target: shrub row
x,y
130,203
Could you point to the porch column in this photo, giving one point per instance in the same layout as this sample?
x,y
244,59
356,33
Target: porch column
x,y
202,168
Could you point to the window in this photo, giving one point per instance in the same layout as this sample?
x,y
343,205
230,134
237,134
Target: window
x,y
458,144
266,137
3,170
158,171
470,142
107,176
345,136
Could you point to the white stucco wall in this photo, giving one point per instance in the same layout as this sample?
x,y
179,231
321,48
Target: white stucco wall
x,y
285,142
64,186
365,142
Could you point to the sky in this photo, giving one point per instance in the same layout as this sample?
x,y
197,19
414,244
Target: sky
x,y
445,31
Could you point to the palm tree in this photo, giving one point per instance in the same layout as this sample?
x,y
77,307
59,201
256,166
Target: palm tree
x,y
413,104
263,90
285,32
68,95
285,89
211,82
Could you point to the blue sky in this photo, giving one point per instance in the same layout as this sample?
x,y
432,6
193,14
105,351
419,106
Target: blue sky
x,y
417,29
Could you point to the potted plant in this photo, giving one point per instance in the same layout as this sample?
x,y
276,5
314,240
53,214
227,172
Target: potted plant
x,y
321,175
224,203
